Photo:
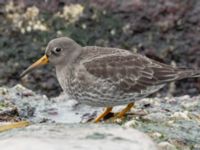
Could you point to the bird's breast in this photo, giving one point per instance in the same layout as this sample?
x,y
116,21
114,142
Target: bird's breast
x,y
88,89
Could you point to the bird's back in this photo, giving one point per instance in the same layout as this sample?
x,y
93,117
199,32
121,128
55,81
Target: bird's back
x,y
93,52
115,76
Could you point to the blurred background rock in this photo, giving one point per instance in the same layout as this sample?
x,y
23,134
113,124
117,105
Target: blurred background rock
x,y
166,30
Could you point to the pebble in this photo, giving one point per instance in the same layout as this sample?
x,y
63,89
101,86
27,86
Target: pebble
x,y
189,104
131,123
166,146
156,135
180,115
156,117
196,147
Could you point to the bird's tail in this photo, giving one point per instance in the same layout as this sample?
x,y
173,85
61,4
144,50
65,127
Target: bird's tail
x,y
169,74
189,73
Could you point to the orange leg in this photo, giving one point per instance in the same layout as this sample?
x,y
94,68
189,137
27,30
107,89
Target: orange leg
x,y
125,110
101,116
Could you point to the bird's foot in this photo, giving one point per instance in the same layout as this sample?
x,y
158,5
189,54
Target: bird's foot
x,y
114,117
104,114
118,117
124,111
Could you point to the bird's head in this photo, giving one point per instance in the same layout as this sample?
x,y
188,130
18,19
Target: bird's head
x,y
59,51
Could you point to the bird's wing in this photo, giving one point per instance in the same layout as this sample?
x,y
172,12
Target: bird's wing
x,y
132,72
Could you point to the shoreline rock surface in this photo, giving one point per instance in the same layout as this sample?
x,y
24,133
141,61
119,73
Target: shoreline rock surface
x,y
76,137
172,122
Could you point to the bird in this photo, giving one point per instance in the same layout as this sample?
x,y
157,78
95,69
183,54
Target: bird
x,y
107,77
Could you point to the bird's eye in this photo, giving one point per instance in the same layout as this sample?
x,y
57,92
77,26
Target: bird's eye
x,y
57,49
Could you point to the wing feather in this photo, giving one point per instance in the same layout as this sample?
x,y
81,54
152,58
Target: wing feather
x,y
132,72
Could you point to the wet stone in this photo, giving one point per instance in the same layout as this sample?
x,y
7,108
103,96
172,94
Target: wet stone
x,y
75,136
175,120
156,117
166,146
8,112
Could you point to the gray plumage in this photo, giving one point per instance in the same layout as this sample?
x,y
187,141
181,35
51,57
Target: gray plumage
x,y
102,76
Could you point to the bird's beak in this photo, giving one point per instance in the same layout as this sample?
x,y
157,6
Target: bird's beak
x,y
42,61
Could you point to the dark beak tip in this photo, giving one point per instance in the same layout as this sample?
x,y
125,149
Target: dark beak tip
x,y
22,74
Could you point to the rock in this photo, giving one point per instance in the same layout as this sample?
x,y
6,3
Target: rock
x,y
156,135
160,117
8,111
189,105
166,146
180,115
75,136
156,117
131,123
196,147
37,108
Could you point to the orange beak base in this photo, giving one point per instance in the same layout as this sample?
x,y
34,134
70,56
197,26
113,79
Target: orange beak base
x,y
42,61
